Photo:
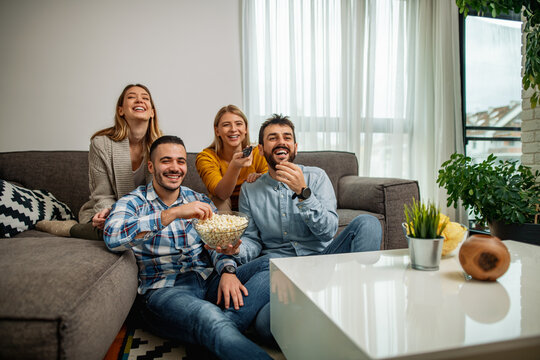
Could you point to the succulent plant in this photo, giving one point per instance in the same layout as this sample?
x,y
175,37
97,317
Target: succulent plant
x,y
423,220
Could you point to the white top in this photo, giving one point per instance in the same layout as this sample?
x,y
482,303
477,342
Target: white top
x,y
387,309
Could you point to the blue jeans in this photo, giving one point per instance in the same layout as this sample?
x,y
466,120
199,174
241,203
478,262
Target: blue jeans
x,y
187,312
364,233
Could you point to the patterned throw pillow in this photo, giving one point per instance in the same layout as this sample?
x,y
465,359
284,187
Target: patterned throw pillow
x,y
21,208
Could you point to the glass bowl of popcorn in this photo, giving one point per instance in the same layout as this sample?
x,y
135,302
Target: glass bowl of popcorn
x,y
224,228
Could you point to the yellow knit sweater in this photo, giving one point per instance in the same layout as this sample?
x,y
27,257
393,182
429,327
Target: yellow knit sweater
x,y
211,169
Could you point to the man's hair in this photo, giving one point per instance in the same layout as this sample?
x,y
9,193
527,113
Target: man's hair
x,y
165,139
276,119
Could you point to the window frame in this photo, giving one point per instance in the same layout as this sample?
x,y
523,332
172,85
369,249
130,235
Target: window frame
x,y
463,75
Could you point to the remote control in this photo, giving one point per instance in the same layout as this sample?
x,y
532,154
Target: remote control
x,y
247,151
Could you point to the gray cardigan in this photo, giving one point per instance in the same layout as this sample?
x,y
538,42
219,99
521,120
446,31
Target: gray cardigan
x,y
110,175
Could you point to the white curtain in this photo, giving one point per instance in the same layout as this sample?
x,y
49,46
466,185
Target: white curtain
x,y
379,78
434,94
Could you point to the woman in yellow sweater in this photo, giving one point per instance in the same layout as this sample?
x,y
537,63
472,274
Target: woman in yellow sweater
x,y
222,166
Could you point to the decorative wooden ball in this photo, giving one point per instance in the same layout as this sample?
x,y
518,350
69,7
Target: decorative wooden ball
x,y
484,257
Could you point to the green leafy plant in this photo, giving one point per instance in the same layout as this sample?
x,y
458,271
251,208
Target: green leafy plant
x,y
423,220
494,191
530,11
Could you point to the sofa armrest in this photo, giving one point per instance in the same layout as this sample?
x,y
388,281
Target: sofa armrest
x,y
384,196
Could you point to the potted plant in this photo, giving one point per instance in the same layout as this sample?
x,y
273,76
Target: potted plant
x,y
503,194
423,229
529,9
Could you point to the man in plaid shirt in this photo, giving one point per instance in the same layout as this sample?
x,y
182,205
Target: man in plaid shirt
x,y
180,282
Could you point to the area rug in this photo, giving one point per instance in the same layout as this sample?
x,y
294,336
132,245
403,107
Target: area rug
x,y
141,345
133,343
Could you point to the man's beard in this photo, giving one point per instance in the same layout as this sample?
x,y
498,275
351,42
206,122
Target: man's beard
x,y
270,157
160,180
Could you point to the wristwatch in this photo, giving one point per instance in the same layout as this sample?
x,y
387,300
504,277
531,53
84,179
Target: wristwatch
x,y
305,193
229,269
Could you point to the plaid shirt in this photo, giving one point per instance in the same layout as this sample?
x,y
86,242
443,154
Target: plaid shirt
x,y
163,252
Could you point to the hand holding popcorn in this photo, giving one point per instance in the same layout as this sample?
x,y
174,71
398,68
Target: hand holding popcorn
x,y
222,230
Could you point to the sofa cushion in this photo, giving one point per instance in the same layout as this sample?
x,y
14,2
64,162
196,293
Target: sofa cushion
x,y
21,209
63,173
192,179
67,297
336,164
32,233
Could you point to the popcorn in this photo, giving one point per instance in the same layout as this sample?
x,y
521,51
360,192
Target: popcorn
x,y
221,229
453,234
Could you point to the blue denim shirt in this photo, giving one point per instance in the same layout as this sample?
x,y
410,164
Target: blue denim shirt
x,y
278,224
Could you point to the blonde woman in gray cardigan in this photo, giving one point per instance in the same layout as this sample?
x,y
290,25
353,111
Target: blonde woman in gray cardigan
x,y
117,163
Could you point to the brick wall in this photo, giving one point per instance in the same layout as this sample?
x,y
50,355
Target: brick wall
x,y
530,127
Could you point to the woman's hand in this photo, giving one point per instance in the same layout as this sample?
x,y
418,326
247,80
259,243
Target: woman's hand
x,y
252,177
239,161
226,185
231,287
98,220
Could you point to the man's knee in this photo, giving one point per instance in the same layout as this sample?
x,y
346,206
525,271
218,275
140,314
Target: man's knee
x,y
366,220
210,322
368,228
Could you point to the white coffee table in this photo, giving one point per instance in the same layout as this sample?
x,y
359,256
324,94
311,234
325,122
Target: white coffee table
x,y
374,306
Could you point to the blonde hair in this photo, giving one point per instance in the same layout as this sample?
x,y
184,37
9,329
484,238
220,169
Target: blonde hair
x,y
120,130
217,144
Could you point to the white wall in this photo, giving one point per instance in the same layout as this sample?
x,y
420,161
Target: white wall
x,y
64,64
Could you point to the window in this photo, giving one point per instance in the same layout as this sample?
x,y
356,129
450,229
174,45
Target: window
x,y
491,81
491,88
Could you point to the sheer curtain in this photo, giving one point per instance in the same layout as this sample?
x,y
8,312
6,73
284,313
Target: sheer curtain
x,y
434,94
379,78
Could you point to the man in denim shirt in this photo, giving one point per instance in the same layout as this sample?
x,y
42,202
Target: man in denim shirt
x,y
180,283
293,209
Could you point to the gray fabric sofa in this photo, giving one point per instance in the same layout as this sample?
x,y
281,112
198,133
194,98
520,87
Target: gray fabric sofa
x,y
67,298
